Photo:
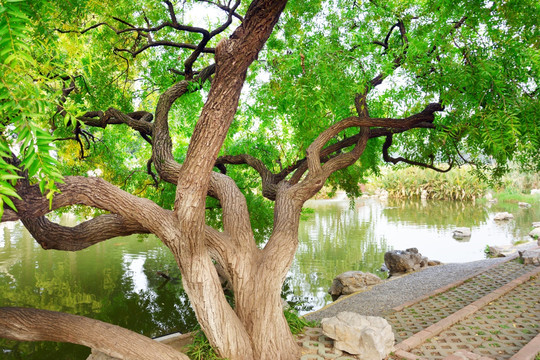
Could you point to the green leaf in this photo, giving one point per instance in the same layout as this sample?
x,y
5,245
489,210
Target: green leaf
x,y
8,202
9,191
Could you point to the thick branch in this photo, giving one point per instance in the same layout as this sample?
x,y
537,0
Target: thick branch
x,y
162,156
42,325
139,120
53,236
96,193
314,151
388,158
269,179
233,57
236,222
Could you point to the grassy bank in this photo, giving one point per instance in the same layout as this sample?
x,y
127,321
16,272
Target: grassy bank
x,y
459,184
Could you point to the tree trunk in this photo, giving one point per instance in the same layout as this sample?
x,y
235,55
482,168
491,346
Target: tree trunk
x,y
260,308
216,317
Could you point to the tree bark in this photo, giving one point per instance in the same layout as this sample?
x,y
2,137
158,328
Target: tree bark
x,y
43,325
220,323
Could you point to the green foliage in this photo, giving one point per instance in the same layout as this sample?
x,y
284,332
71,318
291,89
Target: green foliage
x,y
519,182
512,196
486,78
458,184
485,71
200,348
296,323
25,106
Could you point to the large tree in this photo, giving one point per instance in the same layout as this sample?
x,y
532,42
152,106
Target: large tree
x,y
162,115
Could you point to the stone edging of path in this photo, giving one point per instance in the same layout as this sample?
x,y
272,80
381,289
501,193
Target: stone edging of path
x,y
529,351
433,330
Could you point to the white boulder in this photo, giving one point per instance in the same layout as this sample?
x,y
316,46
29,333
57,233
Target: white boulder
x,y
524,205
535,233
352,281
530,257
503,216
369,337
502,250
462,232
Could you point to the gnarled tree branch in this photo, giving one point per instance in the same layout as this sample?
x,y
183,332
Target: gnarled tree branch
x,y
54,236
24,324
388,158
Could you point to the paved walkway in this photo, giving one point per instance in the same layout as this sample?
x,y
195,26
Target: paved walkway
x,y
494,314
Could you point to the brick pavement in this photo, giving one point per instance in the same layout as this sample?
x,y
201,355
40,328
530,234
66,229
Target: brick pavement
x,y
492,315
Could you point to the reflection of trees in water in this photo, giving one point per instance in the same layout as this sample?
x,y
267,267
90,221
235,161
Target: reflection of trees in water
x,y
437,214
450,214
521,225
332,241
94,282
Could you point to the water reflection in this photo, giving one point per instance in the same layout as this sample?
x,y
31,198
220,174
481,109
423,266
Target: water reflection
x,y
115,281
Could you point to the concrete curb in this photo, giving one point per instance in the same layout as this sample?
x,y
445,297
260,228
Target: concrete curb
x,y
529,351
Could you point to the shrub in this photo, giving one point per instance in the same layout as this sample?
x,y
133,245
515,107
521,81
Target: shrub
x,y
458,184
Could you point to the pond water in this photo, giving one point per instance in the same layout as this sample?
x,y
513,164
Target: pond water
x,y
117,281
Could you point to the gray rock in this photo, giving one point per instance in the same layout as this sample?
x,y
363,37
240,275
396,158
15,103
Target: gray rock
x,y
535,233
536,224
503,216
369,337
462,232
535,191
501,251
352,281
524,205
530,257
399,261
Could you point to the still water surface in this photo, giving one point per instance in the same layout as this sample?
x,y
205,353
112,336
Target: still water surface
x,y
117,281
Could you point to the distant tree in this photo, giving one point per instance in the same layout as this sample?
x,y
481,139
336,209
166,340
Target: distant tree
x,y
139,110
